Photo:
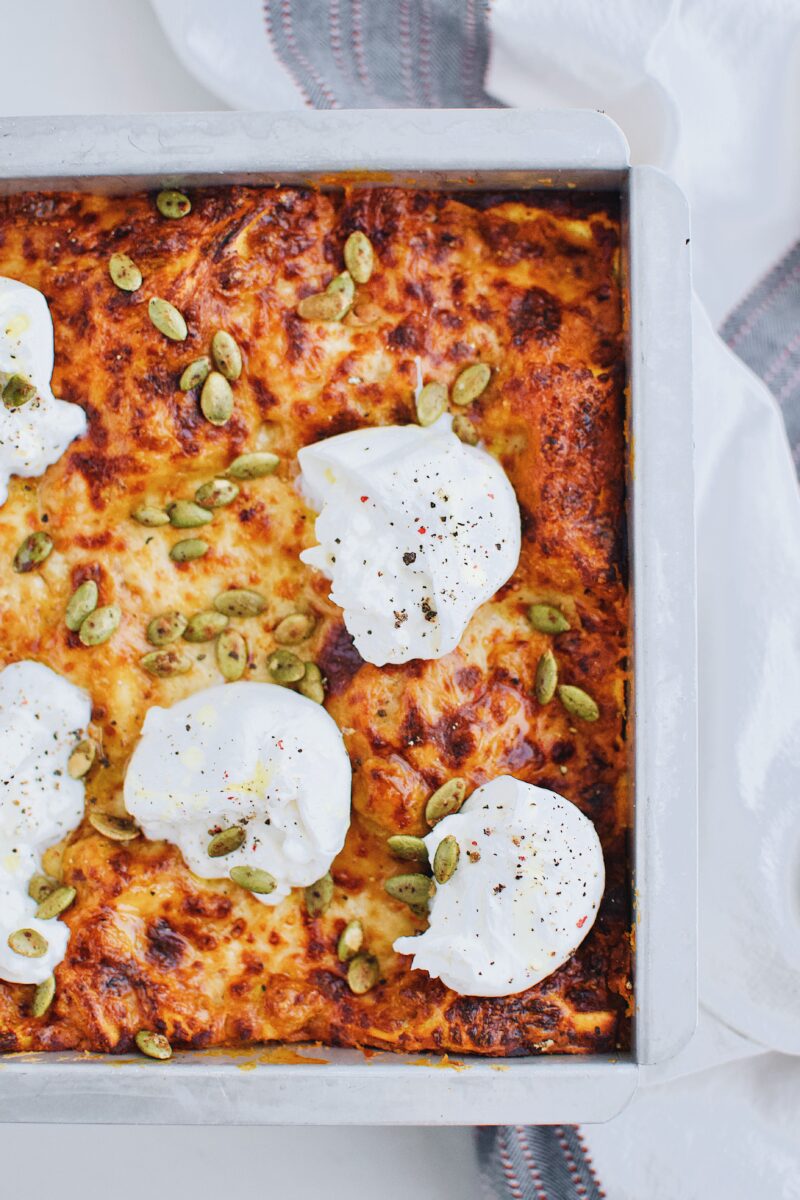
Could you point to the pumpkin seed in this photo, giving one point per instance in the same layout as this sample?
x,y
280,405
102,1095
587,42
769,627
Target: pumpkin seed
x,y
546,677
33,551
185,514
359,256
124,273
351,939
205,626
56,903
332,304
431,403
216,399
471,383
167,319
165,628
445,860
149,515
546,619
82,602
445,800
226,354
28,942
81,760
99,626
116,829
18,391
363,972
43,997
311,685
195,374
164,664
254,465
188,550
260,882
578,703
464,430
240,602
226,841
319,895
411,849
153,1045
216,493
294,628
285,667
173,204
40,887
413,890
231,654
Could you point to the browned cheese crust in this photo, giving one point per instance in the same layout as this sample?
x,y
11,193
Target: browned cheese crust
x,y
527,284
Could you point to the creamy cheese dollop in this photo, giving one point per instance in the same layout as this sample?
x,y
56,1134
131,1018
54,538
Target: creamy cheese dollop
x,y
42,717
252,755
416,530
525,893
35,434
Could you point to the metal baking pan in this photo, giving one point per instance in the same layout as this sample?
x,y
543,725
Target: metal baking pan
x,y
492,149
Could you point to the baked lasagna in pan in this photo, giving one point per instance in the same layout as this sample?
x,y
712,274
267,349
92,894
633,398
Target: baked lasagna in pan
x,y
209,339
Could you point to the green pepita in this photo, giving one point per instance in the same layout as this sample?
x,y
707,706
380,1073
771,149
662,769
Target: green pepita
x,y
253,465
431,403
312,685
216,399
205,626
578,703
319,896
188,550
167,319
240,602
231,653
18,391
99,626
294,628
82,602
445,800
153,1045
116,829
546,619
40,887
149,515
359,256
413,890
445,860
185,514
33,551
226,354
56,903
164,664
43,997
28,942
546,677
332,304
351,939
285,667
363,972
81,760
216,493
260,882
195,374
464,430
124,273
173,204
165,628
408,848
226,841
471,383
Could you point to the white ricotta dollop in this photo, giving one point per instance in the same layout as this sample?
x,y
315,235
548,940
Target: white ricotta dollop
x,y
36,434
42,717
253,755
524,895
416,530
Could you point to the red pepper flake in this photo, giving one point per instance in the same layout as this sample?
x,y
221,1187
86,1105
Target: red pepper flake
x,y
581,923
364,499
422,529
490,495
279,743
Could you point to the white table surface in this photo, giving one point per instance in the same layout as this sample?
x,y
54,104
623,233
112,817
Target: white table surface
x,y
107,56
